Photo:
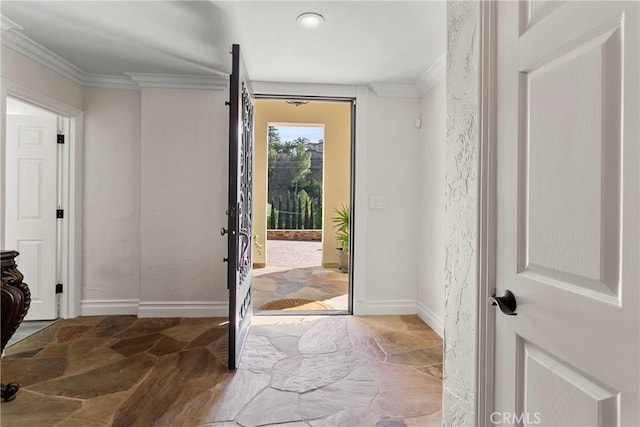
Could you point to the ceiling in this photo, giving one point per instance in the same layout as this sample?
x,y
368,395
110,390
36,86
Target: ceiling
x,y
361,42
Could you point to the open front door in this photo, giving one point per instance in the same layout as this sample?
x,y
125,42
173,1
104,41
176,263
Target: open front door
x,y
568,237
239,275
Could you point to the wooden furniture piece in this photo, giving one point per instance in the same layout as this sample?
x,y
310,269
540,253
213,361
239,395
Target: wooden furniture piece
x,y
16,299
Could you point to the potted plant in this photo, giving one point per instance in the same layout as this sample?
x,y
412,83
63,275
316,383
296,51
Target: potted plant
x,y
341,221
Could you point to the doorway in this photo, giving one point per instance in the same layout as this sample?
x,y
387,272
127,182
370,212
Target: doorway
x,y
302,190
35,176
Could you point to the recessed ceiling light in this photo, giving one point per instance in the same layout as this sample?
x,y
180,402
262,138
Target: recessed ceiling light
x,y
310,20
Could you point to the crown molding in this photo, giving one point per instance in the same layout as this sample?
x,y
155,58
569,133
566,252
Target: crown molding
x,y
179,81
109,81
22,44
7,24
304,89
45,57
432,76
394,90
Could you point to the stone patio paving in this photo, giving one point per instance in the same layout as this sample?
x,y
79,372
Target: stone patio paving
x,y
294,272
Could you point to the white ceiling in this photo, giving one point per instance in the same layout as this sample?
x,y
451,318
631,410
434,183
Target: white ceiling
x,y
361,42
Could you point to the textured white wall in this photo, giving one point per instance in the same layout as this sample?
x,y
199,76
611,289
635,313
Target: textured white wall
x,y
184,198
111,229
392,173
461,213
431,220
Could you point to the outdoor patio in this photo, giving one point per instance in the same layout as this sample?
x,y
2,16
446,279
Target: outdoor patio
x,y
295,280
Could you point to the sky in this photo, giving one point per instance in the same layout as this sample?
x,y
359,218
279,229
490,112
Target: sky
x,y
289,133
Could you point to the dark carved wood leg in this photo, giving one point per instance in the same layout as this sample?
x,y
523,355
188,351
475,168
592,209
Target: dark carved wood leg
x,y
16,299
9,391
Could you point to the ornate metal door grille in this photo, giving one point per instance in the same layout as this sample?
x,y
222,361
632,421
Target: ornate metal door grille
x,y
239,275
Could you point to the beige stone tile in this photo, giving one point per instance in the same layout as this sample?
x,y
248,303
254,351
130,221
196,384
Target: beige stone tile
x,y
27,372
172,389
404,393
264,284
357,417
87,354
271,407
76,422
309,293
185,332
404,341
435,370
420,357
432,420
259,355
130,346
102,380
309,372
54,350
179,378
167,345
67,333
40,339
207,337
345,394
110,326
147,326
100,409
233,395
37,410
87,320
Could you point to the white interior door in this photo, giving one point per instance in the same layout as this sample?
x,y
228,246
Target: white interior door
x,y
31,193
567,213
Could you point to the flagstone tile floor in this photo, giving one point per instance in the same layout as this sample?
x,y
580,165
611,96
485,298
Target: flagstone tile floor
x,y
329,286
382,371
293,272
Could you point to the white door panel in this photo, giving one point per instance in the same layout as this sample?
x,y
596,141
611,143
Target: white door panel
x,y
567,213
30,228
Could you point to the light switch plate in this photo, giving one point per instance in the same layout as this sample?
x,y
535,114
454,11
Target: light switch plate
x,y
377,202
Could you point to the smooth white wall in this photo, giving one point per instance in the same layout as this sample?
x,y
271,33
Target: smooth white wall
x,y
431,219
27,79
24,71
184,199
111,232
390,284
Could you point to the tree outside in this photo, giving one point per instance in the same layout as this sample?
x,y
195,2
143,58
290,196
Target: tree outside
x,y
294,182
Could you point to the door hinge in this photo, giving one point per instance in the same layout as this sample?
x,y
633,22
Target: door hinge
x,y
60,139
59,288
59,213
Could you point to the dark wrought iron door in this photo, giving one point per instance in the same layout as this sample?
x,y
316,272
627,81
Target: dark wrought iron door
x,y
239,274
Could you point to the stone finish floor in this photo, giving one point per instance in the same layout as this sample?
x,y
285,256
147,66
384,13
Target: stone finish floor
x,y
296,371
312,283
293,272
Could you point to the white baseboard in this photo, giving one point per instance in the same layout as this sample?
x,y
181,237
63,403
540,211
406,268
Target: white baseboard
x,y
383,307
430,318
183,309
97,307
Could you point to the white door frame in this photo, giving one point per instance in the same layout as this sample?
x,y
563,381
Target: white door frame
x,y
487,187
72,235
358,170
